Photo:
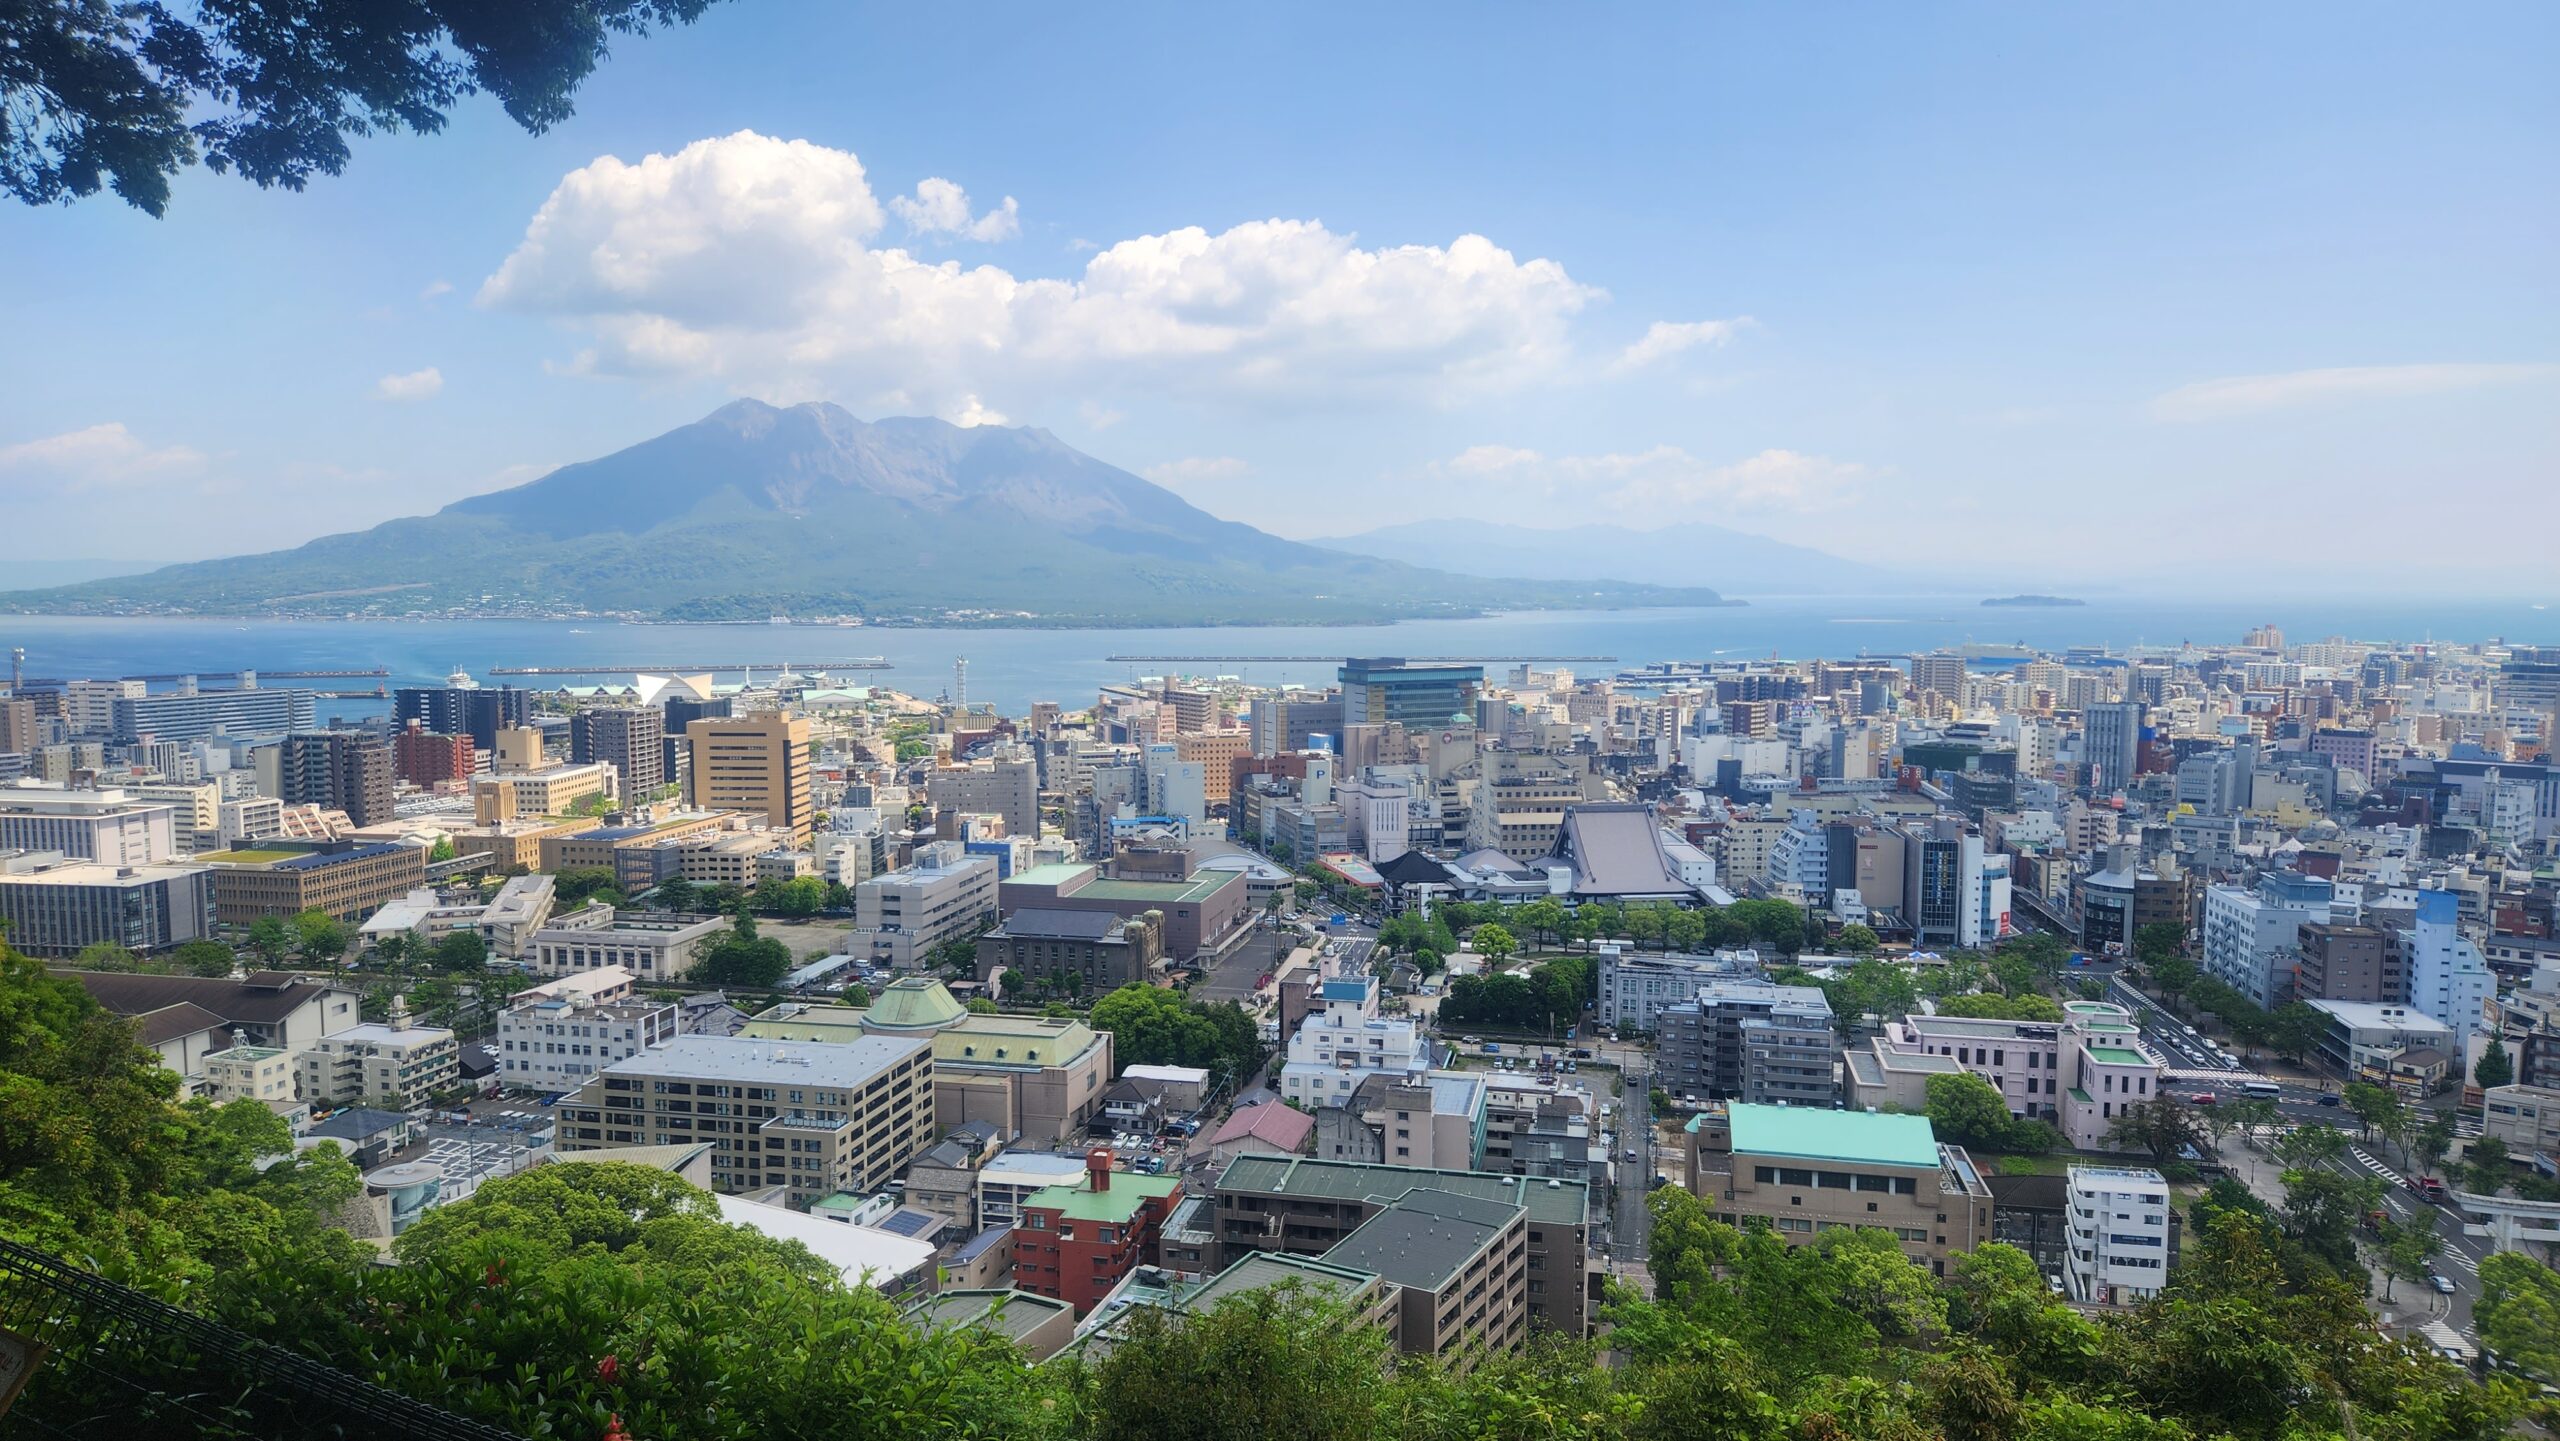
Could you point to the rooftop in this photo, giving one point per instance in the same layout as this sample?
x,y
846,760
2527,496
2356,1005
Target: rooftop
x,y
1849,1136
2118,1056
1008,1313
1080,1202
1262,1270
1425,1239
1554,1201
864,1256
847,1064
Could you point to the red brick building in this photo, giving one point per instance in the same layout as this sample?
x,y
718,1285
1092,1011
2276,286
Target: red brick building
x,y
423,758
1074,1243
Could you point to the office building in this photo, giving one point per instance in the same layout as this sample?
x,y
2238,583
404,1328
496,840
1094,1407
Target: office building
x,y
556,1036
18,733
57,907
754,763
631,739
1418,697
2448,978
2111,744
1636,989
391,1064
1939,672
2252,936
1438,1122
285,878
947,895
2118,1235
2079,1074
1749,1041
479,712
1806,1172
199,715
1306,1206
1006,786
2348,963
106,826
815,1119
1076,1242
1038,1078
337,771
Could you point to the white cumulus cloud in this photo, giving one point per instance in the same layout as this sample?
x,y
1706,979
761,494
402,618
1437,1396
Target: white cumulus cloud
x,y
2254,394
1666,338
941,207
1665,479
752,260
95,456
416,385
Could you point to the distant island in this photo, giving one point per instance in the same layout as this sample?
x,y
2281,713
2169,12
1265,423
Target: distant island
x,y
2034,600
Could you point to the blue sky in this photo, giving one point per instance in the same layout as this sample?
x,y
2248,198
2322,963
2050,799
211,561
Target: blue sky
x,y
2235,297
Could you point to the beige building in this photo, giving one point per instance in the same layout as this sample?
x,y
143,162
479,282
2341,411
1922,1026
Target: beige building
x,y
348,882
390,1063
243,1072
1217,752
652,945
946,895
753,763
1462,1266
548,791
1039,1078
813,1118
1805,1172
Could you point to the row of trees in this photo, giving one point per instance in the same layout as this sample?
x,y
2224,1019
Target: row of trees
x,y
1153,1026
1549,998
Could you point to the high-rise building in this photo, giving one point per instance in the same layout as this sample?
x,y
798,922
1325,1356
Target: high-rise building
x,y
17,726
1939,671
1007,785
754,763
337,771
196,715
2448,978
1388,688
631,739
2112,744
479,712
2119,1229
426,758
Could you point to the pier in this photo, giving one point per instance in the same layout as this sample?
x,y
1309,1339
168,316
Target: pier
x,y
1336,660
871,662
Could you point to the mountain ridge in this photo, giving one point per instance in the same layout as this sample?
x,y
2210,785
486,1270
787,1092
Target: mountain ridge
x,y
810,511
1740,560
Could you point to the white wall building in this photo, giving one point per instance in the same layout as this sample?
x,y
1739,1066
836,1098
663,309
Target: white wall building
x,y
2117,1220
1347,1042
555,1036
2448,978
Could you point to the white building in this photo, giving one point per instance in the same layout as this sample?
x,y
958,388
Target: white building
x,y
555,1036
2253,937
1636,989
900,917
2118,1226
2448,978
1176,787
654,947
108,826
1347,1042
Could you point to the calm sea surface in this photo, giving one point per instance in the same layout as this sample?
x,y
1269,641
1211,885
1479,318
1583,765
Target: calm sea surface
x,y
1014,667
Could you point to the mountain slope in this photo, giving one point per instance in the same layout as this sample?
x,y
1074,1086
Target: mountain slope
x,y
757,510
1674,555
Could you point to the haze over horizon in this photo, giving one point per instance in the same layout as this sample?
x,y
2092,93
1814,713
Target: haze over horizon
x,y
1925,292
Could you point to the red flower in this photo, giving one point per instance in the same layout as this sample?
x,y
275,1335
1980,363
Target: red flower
x,y
609,1371
613,1428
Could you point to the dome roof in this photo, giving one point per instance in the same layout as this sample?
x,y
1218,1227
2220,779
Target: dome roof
x,y
912,1005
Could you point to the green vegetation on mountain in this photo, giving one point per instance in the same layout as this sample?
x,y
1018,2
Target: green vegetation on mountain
x,y
756,511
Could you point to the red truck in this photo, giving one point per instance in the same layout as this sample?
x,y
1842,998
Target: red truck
x,y
2429,1187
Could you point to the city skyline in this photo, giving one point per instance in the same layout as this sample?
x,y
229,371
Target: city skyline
x,y
1930,288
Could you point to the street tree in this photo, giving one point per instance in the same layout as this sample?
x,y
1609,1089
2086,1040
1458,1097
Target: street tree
x,y
2408,1253
2519,1314
1857,940
2376,1108
1494,943
2163,1126
2484,1166
2495,1067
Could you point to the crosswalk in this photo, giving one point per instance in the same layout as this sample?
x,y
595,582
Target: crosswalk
x,y
2459,1260
2366,1159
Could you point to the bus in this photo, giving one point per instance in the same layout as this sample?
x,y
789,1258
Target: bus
x,y
2268,1089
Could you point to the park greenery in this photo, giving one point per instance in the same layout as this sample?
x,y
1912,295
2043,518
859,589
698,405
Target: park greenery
x,y
1152,1026
553,1302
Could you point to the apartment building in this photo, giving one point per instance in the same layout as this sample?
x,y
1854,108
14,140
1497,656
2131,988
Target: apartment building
x,y
285,878
1075,1242
429,759
946,895
631,739
1749,1041
1636,989
557,1036
1438,1122
55,907
815,1119
243,1072
2251,934
1461,1265
2348,963
1347,1041
2117,1228
652,945
337,771
1006,786
1305,1207
1542,1127
602,848
1807,1172
391,1063
756,763
189,715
